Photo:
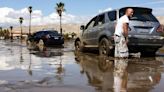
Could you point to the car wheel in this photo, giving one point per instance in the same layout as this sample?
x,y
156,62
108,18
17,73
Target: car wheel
x,y
28,42
78,46
41,45
41,42
104,47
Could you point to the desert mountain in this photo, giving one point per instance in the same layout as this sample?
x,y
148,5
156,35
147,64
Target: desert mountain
x,y
161,19
67,28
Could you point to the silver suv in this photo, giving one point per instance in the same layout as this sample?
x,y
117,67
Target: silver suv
x,y
145,32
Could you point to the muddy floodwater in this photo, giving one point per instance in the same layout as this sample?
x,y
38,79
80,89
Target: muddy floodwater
x,y
54,69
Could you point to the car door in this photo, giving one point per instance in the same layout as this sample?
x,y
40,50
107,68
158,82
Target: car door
x,y
89,27
98,27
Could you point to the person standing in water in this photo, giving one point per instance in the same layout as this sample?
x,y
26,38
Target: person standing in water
x,y
121,34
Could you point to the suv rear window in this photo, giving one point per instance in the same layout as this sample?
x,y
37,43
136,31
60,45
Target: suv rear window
x,y
143,17
141,14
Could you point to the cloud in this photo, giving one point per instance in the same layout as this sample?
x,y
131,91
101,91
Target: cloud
x,y
157,11
10,16
107,9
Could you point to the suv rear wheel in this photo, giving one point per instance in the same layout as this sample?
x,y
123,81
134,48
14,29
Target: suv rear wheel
x,y
104,47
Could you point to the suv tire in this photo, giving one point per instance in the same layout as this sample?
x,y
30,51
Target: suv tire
x,y
104,47
78,46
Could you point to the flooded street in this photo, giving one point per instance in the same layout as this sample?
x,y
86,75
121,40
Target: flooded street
x,y
63,70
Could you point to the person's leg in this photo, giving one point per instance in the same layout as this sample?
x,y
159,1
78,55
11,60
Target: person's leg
x,y
117,41
123,48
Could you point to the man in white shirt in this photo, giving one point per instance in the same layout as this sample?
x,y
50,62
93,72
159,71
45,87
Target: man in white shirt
x,y
121,34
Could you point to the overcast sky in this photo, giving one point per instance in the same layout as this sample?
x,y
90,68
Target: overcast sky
x,y
77,11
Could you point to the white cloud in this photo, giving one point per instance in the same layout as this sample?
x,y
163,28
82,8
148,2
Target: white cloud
x,y
10,16
158,11
104,10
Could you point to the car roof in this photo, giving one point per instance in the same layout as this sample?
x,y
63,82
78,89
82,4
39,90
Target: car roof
x,y
45,31
124,8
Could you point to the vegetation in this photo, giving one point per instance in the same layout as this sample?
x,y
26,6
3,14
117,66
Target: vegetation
x,y
4,33
11,32
68,36
21,21
30,11
60,9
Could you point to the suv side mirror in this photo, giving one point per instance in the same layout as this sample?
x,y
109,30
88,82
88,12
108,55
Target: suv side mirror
x,y
82,27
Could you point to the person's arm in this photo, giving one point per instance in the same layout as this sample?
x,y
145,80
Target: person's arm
x,y
125,29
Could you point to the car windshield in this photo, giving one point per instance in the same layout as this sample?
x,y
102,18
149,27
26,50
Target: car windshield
x,y
141,14
38,34
52,33
43,33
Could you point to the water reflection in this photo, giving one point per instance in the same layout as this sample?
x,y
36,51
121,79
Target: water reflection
x,y
42,51
21,56
99,71
107,74
60,72
120,75
30,64
49,52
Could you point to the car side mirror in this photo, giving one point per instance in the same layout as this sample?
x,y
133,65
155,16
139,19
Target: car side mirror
x,y
82,27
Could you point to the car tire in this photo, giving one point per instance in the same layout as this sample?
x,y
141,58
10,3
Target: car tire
x,y
78,46
41,42
104,47
28,42
41,45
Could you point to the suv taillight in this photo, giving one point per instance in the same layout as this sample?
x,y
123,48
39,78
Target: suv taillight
x,y
160,28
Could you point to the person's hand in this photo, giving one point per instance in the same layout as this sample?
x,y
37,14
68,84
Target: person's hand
x,y
126,41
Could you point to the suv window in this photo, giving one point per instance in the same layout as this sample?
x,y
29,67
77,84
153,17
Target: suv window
x,y
100,20
112,15
141,14
91,23
143,17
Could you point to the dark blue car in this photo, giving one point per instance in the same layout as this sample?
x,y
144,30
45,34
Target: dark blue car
x,y
49,37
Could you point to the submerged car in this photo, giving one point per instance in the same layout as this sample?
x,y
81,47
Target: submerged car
x,y
49,37
145,32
